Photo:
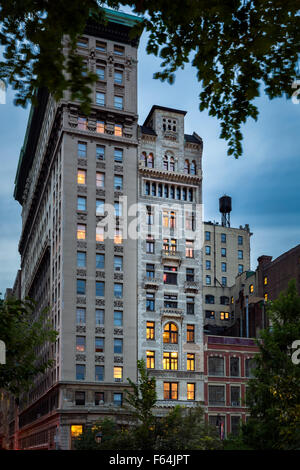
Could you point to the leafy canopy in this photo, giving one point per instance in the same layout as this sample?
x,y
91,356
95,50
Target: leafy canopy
x,y
236,46
23,336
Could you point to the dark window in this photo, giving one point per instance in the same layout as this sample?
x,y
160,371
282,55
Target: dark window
x,y
216,395
99,373
99,261
170,301
190,275
209,299
235,396
150,271
80,286
170,275
150,302
99,398
234,367
80,398
209,314
190,305
216,366
224,300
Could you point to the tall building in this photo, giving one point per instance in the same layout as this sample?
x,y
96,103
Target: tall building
x,y
226,254
108,292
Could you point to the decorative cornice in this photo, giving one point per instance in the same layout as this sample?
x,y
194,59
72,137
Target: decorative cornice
x,y
170,175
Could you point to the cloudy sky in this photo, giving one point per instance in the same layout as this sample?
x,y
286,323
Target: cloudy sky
x,y
264,183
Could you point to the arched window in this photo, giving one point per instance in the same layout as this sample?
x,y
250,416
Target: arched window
x,y
193,168
166,163
170,334
172,164
186,167
143,157
150,160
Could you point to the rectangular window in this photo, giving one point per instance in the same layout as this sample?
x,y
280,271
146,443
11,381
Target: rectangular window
x,y
118,346
223,237
150,359
170,360
118,130
216,395
150,271
82,42
209,314
190,305
99,398
81,203
118,155
119,50
100,71
207,250
216,366
249,367
100,98
170,301
100,46
81,177
82,123
118,318
118,238
81,149
235,396
118,77
170,391
190,391
100,152
80,343
224,281
150,302
208,264
118,373
118,263
99,234
241,268
190,333
80,372
190,274
223,252
190,221
189,248
118,290
99,207
208,280
100,259
79,396
80,286
240,240
99,289
235,425
150,244
99,344
118,399
80,316
118,183
81,259
150,330
224,316
99,317
100,127
190,361
240,254
207,236
99,373
170,275
224,267
118,102
100,180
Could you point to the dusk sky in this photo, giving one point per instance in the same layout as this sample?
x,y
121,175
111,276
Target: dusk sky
x,y
264,183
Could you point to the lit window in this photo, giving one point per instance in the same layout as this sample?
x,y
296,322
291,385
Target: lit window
x,y
100,127
190,333
81,232
265,281
224,315
170,360
189,248
100,180
266,297
76,430
190,391
118,238
118,318
81,149
80,343
100,98
170,334
118,373
190,361
150,330
170,391
99,234
118,130
150,360
81,177
118,102
251,288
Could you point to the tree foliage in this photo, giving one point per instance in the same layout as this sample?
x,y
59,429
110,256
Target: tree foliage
x,y
235,46
274,393
180,429
22,335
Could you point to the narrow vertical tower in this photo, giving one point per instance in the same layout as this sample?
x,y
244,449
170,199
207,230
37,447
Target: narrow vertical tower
x,y
225,209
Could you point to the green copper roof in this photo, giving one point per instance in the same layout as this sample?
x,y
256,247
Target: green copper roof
x,y
122,18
